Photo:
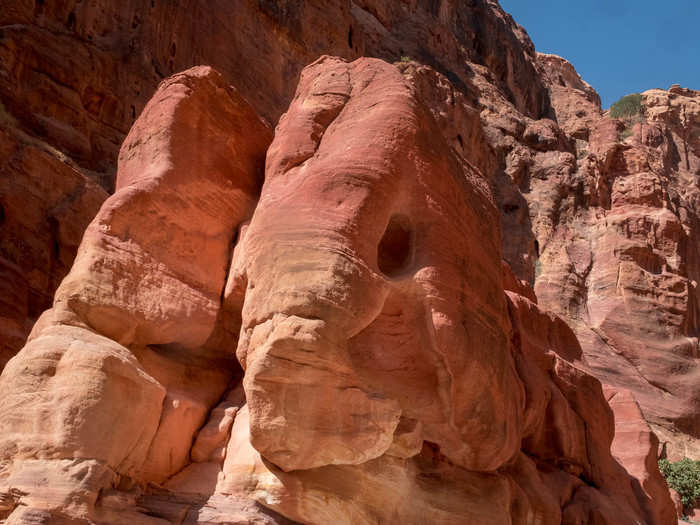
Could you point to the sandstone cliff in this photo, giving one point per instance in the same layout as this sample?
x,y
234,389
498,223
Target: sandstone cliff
x,y
335,346
387,376
75,75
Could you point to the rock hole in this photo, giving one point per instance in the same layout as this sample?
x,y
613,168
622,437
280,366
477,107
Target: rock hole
x,y
394,250
71,21
510,208
55,230
350,37
461,142
173,49
2,214
133,113
537,249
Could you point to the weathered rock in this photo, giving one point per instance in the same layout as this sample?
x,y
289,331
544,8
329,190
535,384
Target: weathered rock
x,y
575,103
370,265
384,364
150,274
619,258
75,75
319,306
636,447
191,178
46,202
564,421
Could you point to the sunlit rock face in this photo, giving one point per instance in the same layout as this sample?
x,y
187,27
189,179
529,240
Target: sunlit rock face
x,y
75,75
333,345
618,236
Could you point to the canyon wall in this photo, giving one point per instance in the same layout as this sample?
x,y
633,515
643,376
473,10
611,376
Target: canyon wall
x,y
365,274
74,75
382,372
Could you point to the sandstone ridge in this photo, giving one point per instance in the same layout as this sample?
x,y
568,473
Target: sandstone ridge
x,y
378,346
447,287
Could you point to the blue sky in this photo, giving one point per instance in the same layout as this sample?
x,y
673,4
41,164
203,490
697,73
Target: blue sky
x,y
618,46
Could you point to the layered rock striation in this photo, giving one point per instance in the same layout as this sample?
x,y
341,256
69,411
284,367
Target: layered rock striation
x,y
75,75
383,374
617,230
335,345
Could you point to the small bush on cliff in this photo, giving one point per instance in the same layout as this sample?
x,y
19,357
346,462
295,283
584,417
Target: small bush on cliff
x,y
684,477
628,106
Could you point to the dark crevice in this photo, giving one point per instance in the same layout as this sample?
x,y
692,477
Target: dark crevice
x,y
394,250
350,37
55,234
71,21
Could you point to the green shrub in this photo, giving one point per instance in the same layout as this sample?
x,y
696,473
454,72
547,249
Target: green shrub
x,y
684,477
405,58
628,106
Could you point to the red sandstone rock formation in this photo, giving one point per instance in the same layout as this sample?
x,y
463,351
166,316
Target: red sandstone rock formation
x,y
75,75
387,376
617,230
604,225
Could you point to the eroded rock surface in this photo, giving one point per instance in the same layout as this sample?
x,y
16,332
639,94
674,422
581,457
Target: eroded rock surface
x,y
369,278
387,375
617,230
75,75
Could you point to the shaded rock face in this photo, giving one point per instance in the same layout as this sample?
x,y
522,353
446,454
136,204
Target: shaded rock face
x,y
75,75
45,205
635,447
382,374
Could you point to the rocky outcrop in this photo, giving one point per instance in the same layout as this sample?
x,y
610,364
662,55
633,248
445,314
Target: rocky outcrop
x,y
371,262
635,447
75,75
618,233
387,375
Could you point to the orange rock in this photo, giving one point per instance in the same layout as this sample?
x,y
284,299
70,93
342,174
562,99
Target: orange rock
x,y
150,274
620,260
384,365
74,76
355,296
636,447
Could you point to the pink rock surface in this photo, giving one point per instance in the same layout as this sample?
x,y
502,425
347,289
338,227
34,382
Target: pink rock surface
x,y
619,259
354,261
635,446
75,75
150,274
384,364
372,261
